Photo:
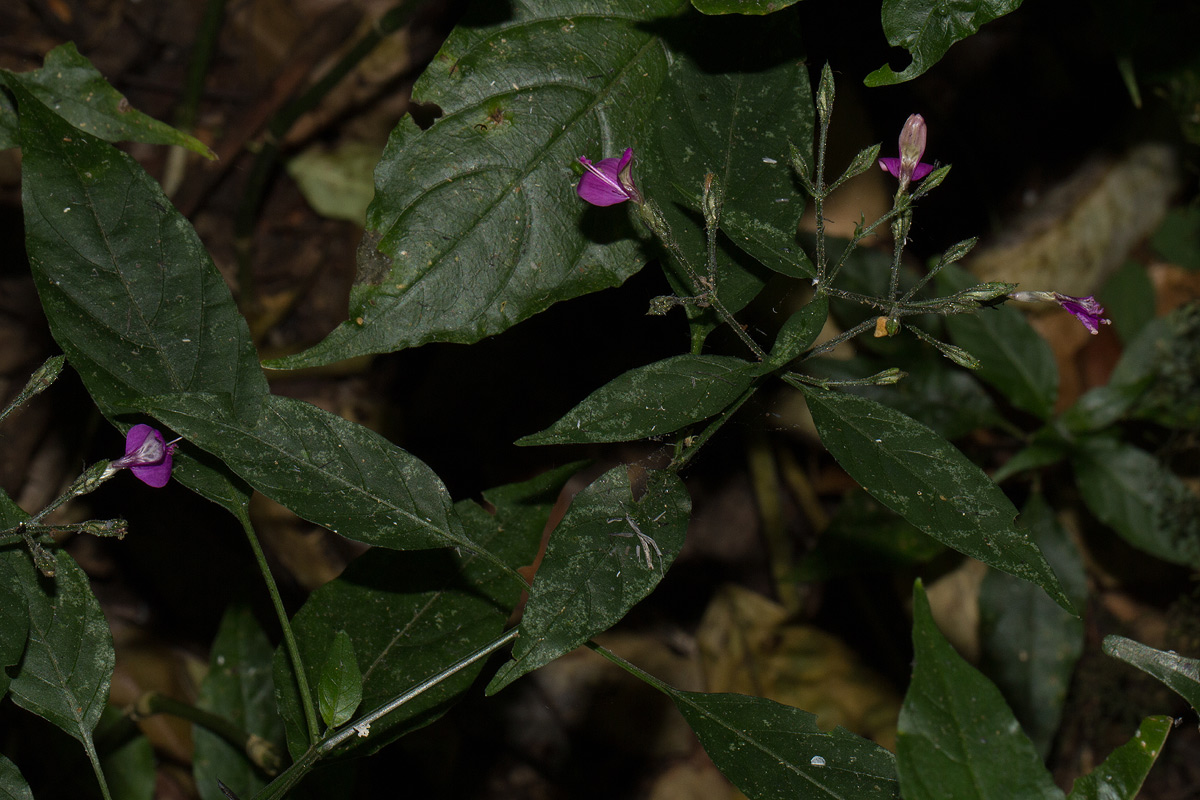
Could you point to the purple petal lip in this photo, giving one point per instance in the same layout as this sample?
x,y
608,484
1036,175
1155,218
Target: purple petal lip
x,y
1084,309
147,456
600,185
892,167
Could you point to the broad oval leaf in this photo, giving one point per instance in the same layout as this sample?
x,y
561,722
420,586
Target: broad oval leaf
x,y
741,6
68,663
1181,674
1121,775
928,28
1012,357
608,553
957,737
475,224
926,480
772,751
656,399
68,83
339,688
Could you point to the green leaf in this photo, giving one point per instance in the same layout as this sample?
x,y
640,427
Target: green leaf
x,y
741,6
922,477
411,614
130,293
130,770
1013,358
734,119
1121,775
238,687
1181,675
1144,502
339,689
1178,238
337,184
956,737
1046,448
68,83
1029,644
798,333
1129,300
328,470
653,400
12,782
927,29
475,220
68,663
608,553
772,751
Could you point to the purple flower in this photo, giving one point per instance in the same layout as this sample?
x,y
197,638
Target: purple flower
x,y
909,167
1085,309
147,456
609,182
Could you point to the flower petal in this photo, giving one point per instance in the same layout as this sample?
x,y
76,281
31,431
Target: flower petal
x,y
890,165
921,170
601,185
155,475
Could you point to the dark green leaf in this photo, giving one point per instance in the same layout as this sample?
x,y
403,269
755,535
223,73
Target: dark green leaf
x,y
1121,775
1181,674
475,221
1132,492
741,6
411,614
1128,298
608,553
1013,358
328,470
1030,645
239,687
68,83
798,333
656,399
1178,237
927,29
1046,448
957,738
130,293
922,477
12,783
129,770
68,661
339,688
771,751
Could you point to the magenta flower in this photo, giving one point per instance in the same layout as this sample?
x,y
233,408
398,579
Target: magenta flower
x,y
909,167
1085,309
147,456
609,182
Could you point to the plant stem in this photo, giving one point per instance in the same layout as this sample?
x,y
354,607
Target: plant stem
x,y
688,452
260,752
90,747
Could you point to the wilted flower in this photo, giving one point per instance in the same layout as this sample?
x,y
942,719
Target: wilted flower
x,y
1084,309
909,167
609,181
147,456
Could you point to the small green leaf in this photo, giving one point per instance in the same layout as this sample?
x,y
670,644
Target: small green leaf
x,y
1121,775
476,218
68,663
741,6
1178,237
340,688
1128,298
1030,645
926,480
1013,358
653,400
1181,674
68,83
772,751
338,183
957,738
798,333
12,782
927,29
130,770
239,687
1045,449
608,553
1144,502
863,161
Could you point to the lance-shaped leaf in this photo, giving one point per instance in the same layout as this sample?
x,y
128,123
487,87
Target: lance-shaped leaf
x,y
1121,775
68,83
339,689
68,662
131,295
798,333
656,399
957,738
772,751
608,553
1012,357
741,6
410,614
927,29
1181,674
926,480
475,224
